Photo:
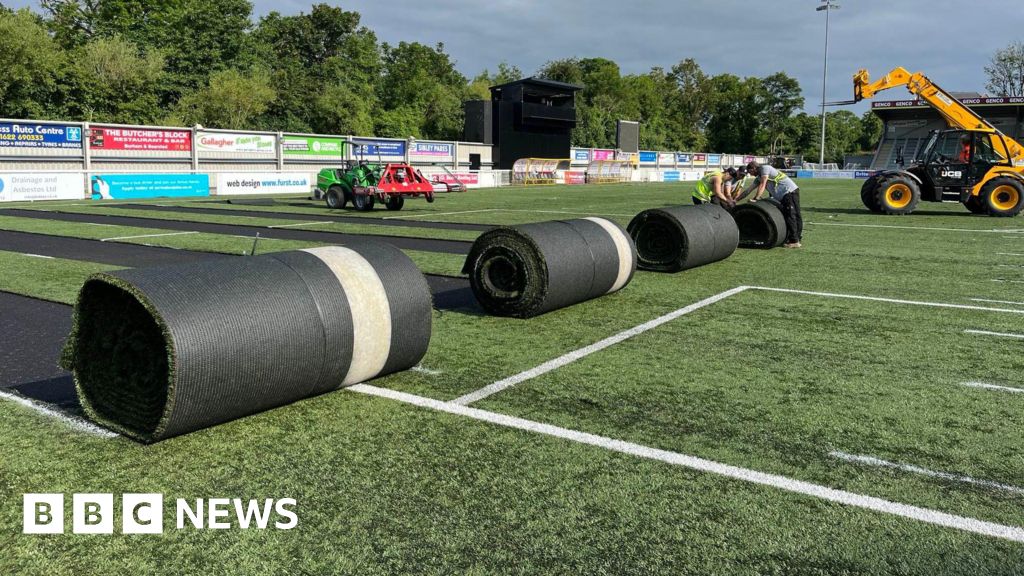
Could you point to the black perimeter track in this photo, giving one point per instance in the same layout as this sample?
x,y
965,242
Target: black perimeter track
x,y
404,243
327,216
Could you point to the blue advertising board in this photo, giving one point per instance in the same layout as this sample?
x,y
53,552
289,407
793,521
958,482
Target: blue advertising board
x,y
714,159
863,173
683,158
670,176
378,148
647,157
118,186
581,155
436,149
21,135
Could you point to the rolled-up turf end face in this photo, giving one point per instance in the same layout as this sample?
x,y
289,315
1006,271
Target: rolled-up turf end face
x,y
164,351
681,237
527,270
761,224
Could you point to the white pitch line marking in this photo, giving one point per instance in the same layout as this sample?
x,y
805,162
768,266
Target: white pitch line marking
x,y
262,238
935,517
148,236
889,300
1009,266
1011,302
596,214
997,334
575,355
439,214
872,461
1008,281
427,371
37,256
969,230
299,224
73,421
1008,254
988,386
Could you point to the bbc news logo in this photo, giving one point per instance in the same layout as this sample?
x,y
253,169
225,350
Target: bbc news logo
x,y
144,514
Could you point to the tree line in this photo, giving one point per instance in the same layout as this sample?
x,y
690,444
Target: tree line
x,y
187,62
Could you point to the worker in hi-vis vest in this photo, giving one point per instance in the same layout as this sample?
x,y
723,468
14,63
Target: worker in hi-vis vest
x,y
711,188
742,186
786,192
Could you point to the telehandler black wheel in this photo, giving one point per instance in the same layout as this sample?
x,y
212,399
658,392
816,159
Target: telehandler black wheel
x,y
395,203
974,204
335,197
362,202
897,194
868,196
1002,196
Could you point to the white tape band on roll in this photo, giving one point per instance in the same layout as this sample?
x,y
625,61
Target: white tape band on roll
x,y
622,247
371,314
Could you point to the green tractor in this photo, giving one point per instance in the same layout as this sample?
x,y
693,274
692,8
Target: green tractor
x,y
364,183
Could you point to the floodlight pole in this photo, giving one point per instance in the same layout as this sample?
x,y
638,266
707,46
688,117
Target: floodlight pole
x,y
826,7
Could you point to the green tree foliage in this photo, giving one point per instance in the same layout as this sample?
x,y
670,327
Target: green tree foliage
x,y
232,99
1005,72
479,87
108,80
31,62
197,37
207,62
421,93
870,131
324,70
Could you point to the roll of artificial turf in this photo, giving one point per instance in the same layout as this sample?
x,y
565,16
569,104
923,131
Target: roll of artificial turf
x,y
681,237
159,352
527,270
761,224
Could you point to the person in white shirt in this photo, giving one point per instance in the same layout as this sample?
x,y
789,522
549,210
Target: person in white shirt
x,y
783,189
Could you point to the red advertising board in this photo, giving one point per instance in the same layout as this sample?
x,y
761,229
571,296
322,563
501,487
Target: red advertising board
x,y
464,177
575,177
110,138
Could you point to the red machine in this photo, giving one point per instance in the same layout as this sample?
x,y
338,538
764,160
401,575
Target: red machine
x,y
404,179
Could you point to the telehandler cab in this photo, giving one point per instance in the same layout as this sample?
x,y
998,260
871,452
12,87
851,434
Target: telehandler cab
x,y
972,162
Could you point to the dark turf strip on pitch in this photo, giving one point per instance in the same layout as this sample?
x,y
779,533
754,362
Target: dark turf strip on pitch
x,y
32,331
450,293
114,253
404,243
31,334
327,216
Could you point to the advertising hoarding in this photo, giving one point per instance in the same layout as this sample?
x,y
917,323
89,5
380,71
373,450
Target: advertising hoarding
x,y
431,150
121,186
229,142
237,183
28,135
313,146
17,187
370,148
136,139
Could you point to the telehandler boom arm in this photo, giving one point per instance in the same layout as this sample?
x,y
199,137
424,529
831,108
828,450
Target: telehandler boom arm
x,y
955,113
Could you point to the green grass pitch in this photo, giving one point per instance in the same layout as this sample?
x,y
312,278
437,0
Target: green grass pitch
x,y
796,384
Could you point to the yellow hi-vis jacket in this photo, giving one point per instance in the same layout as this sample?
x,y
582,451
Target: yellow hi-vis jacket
x,y
705,190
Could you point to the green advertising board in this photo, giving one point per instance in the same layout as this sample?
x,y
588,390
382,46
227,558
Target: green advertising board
x,y
313,146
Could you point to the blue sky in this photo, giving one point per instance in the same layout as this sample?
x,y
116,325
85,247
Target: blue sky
x,y
951,41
